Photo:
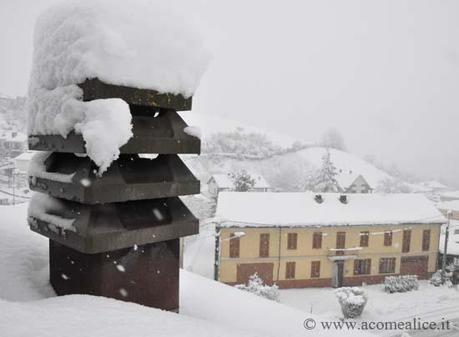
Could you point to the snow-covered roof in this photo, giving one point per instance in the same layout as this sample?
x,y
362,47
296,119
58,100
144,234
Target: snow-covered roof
x,y
26,155
301,209
225,181
450,195
452,205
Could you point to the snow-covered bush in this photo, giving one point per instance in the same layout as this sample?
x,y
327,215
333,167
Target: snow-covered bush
x,y
438,280
400,284
256,286
352,301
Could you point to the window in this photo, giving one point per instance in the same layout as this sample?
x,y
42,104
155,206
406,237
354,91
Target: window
x,y
315,269
234,245
317,240
362,267
340,240
292,239
426,239
290,270
264,245
388,238
387,265
364,238
406,241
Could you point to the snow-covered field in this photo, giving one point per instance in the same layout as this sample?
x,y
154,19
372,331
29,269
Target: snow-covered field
x,y
28,305
428,303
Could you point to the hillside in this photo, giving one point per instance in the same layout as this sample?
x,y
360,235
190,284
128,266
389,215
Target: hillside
x,y
286,163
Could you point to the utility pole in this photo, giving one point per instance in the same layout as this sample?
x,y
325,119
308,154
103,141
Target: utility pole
x,y
445,248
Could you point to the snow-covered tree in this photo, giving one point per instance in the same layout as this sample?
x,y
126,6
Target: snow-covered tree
x,y
256,286
332,138
242,181
325,180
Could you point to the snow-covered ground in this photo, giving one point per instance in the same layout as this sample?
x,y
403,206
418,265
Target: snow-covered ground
x,y
428,303
29,307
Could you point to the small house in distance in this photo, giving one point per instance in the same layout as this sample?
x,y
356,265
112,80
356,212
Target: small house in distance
x,y
358,185
319,240
224,183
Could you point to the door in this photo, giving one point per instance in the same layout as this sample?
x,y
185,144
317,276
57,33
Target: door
x,y
264,271
338,274
414,265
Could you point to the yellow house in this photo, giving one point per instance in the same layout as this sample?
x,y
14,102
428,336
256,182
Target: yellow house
x,y
318,240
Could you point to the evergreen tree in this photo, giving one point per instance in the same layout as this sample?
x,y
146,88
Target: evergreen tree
x,y
242,181
326,176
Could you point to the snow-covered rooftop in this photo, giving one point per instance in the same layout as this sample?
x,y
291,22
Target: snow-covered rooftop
x,y
452,205
450,195
207,308
225,181
301,209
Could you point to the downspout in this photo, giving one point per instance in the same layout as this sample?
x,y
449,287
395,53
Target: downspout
x,y
279,253
217,253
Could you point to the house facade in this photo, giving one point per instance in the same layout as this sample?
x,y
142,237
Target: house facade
x,y
223,183
339,240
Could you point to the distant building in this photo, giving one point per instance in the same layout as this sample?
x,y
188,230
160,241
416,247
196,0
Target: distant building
x,y
12,143
319,240
448,196
451,206
359,185
223,183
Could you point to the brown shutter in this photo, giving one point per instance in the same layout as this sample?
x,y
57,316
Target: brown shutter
x,y
364,238
406,241
292,239
362,267
388,238
387,265
264,245
340,240
426,239
315,269
290,270
317,240
234,245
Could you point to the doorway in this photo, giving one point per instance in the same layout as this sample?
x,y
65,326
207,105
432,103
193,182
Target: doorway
x,y
338,274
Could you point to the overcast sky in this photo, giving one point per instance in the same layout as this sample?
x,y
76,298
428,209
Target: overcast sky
x,y
384,73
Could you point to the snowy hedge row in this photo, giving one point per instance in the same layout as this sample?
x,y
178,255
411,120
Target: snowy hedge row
x,y
401,284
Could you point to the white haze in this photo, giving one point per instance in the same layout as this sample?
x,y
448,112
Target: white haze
x,y
385,73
